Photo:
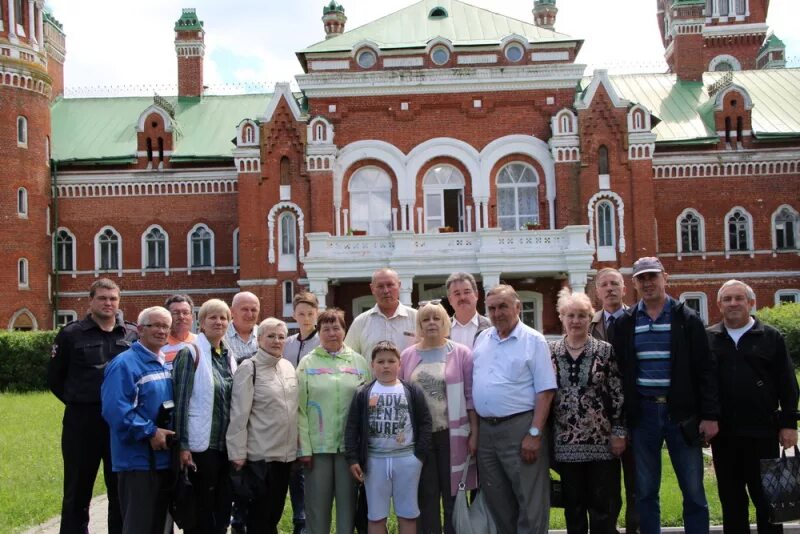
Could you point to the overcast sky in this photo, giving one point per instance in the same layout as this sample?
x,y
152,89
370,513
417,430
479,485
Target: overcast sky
x,y
123,47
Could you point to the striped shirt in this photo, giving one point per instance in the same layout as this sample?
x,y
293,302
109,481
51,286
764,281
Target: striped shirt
x,y
652,341
242,349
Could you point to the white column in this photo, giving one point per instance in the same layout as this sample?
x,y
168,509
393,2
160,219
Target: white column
x,y
40,25
338,220
420,227
406,287
345,223
477,215
410,217
319,286
404,217
469,218
31,22
490,280
485,206
577,281
12,21
394,220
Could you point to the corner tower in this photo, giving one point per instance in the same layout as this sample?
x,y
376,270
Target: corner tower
x,y
333,18
190,48
25,91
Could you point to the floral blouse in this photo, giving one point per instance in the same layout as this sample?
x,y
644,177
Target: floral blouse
x,y
587,408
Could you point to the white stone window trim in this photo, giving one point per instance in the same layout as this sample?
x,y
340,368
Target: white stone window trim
x,y
287,294
287,261
98,251
18,313
23,274
362,47
235,253
538,302
701,233
606,252
22,131
22,203
281,206
787,292
724,58
189,250
431,185
726,235
620,209
702,297
773,223
69,315
74,247
145,250
516,186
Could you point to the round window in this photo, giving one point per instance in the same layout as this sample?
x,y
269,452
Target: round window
x,y
514,52
440,55
366,59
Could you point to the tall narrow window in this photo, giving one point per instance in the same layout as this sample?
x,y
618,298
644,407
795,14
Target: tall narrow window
x,y
160,149
602,160
22,272
287,227
786,225
741,7
236,248
690,233
65,251
605,224
443,187
371,201
288,298
709,8
723,8
517,196
22,131
155,249
19,11
727,130
286,178
149,144
738,231
201,247
108,244
22,202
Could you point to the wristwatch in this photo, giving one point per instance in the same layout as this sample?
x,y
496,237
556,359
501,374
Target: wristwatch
x,y
534,431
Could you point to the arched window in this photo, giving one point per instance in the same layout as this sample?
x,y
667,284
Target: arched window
x,y
201,247
65,251
22,202
287,245
517,196
22,273
371,201
785,225
691,232
249,135
602,160
22,131
155,248
605,224
149,143
47,150
319,132
108,250
566,123
738,234
443,187
23,321
286,178
638,123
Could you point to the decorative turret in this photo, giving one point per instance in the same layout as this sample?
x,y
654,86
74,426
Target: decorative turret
x,y
55,47
333,18
772,54
190,48
544,13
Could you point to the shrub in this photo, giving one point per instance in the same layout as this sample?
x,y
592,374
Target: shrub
x,y
23,360
786,318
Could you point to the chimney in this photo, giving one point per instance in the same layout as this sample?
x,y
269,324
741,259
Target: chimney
x,y
190,49
56,50
544,14
333,18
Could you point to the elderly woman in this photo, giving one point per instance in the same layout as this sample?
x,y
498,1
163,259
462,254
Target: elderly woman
x,y
263,430
443,369
203,378
589,435
328,377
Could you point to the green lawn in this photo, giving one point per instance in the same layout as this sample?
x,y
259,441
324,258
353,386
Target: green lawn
x,y
31,470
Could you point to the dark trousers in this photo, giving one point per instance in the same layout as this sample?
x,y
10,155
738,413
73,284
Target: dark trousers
x,y
297,486
591,495
736,463
434,486
629,476
239,513
266,508
84,442
144,499
212,486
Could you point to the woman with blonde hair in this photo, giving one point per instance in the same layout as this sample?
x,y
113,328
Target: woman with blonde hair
x,y
203,379
443,370
589,434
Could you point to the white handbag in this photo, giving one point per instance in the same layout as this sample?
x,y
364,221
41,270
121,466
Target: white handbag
x,y
472,518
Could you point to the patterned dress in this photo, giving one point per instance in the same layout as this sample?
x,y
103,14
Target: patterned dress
x,y
587,408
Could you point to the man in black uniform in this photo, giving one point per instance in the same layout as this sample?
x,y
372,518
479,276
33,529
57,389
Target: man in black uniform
x,y
80,354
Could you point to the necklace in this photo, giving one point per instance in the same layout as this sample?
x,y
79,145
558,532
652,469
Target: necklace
x,y
570,347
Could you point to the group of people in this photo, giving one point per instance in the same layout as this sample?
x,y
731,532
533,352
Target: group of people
x,y
409,402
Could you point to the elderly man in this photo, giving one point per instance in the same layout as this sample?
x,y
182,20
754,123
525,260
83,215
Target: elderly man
x,y
671,393
512,387
137,401
610,288
758,399
81,351
387,320
466,323
241,337
181,309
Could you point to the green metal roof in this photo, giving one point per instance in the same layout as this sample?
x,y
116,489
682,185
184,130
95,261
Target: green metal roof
x,y
772,42
188,21
104,129
687,113
333,7
412,28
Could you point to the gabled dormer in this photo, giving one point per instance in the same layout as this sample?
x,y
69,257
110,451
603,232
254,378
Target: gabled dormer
x,y
247,155
155,135
320,148
732,107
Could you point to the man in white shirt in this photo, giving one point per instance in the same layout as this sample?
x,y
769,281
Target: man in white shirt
x,y
388,320
241,337
513,384
466,323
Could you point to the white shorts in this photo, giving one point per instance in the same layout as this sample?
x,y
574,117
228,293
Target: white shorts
x,y
395,478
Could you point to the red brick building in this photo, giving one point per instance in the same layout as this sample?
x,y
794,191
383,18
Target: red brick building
x,y
442,137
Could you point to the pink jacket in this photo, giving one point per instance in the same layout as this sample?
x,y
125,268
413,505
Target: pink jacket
x,y
458,379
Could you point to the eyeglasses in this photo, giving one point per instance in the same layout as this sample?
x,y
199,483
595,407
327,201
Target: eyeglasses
x,y
157,326
432,302
279,337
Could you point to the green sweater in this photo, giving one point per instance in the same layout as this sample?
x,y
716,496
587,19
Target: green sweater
x,y
326,384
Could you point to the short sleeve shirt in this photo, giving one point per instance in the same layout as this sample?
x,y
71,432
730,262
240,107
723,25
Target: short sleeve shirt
x,y
390,429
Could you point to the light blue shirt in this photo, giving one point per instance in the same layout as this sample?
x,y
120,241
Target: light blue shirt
x,y
508,373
